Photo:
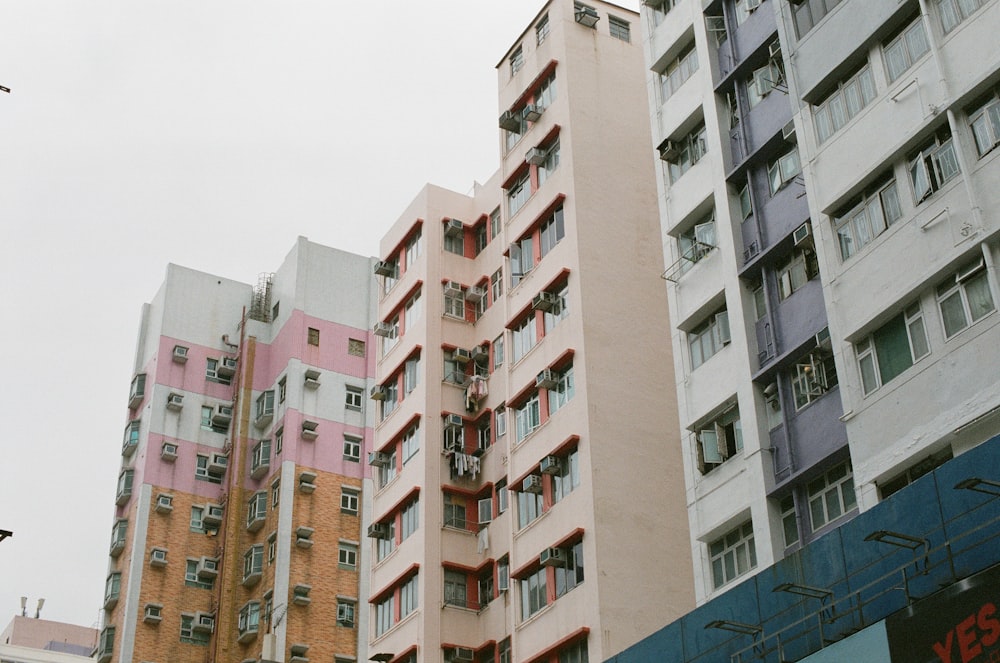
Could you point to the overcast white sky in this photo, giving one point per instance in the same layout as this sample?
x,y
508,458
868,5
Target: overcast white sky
x,y
209,134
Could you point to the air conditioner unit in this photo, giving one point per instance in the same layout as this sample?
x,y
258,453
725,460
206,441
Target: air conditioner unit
x,y
454,421
311,379
300,594
552,557
158,557
164,503
510,121
550,465
222,415
378,531
802,234
475,294
454,228
180,354
452,289
208,567
669,150
788,131
212,516
586,16
168,452
535,156
204,622
383,329
218,463
378,459
461,355
544,301
309,431
175,401
377,392
303,542
307,478
385,268
532,113
774,48
304,532
152,613
547,379
480,353
532,484
463,655
226,367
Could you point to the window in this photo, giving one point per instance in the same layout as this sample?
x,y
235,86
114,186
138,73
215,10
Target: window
x,y
345,613
550,164
484,435
249,619
253,563
204,472
257,509
694,243
497,352
264,407
964,298
781,172
551,231
410,443
408,597
808,13
562,392
954,12
518,194
282,389
985,122
567,477
933,166
732,554
569,576
355,347
390,399
455,243
719,440
689,151
746,201
387,472
523,337
851,95
661,9
272,548
528,417
354,397
125,486
352,448
891,349
112,589
389,279
905,49
618,28
495,223
411,372
190,635
261,460
279,440
831,495
546,92
106,644
455,589
529,507
454,511
496,285
349,501
212,372
384,616
414,247
558,311
409,519
522,258
533,593
743,9
512,137
312,336
542,29
811,377
794,271
708,338
347,556
275,493
914,472
789,523
197,523
206,417
763,81
503,496
486,594
677,72
575,653
454,303
500,421
384,546
867,218
516,60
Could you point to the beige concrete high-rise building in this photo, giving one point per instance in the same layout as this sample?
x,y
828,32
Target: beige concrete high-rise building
x,y
529,499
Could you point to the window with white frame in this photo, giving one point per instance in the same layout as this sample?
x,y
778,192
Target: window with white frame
x,y
529,507
719,440
391,338
562,392
202,472
964,298
660,9
550,164
352,448
522,258
933,165
892,348
571,575
558,311
619,28
454,511
454,304
867,218
732,554
677,72
347,556
253,562
746,201
385,545
795,270
272,548
349,501
387,472
197,522
191,636
743,8
411,373
533,593
985,123
409,519
345,613
518,194
500,421
551,232
275,493
851,95
390,400
523,337
496,285
279,440
384,614
789,521
708,338
354,398
690,149
763,81
811,377
567,476
781,171
411,442
413,311
831,495
953,12
695,243
528,417
905,49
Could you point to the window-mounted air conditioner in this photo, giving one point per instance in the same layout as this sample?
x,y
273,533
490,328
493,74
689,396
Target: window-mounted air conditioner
x,y
802,234
452,288
532,484
180,354
378,531
535,156
454,421
669,150
158,557
586,16
208,567
311,379
212,516
454,228
383,329
164,503
461,355
463,655
475,293
168,452
204,622
218,463
510,121
175,401
300,594
226,367
309,431
377,392
378,459
385,268
544,301
480,353
532,113
552,557
550,465
547,379
222,415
